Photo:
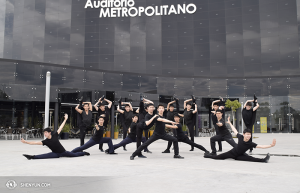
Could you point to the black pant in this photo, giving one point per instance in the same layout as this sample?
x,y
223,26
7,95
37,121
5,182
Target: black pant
x,y
187,141
156,137
217,133
229,154
125,129
192,132
83,127
101,144
139,134
92,142
221,137
127,141
58,155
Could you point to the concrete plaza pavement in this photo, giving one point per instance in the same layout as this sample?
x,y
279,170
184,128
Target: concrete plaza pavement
x,y
158,173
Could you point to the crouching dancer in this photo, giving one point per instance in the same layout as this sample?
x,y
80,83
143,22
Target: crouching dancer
x,y
244,143
97,139
53,143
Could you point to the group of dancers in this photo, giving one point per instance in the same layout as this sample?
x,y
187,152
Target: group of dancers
x,y
147,116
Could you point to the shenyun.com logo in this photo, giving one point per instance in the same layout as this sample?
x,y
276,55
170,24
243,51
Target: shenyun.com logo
x,y
11,184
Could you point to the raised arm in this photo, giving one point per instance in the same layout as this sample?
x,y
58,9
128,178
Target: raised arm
x,y
232,127
170,104
196,109
137,111
90,106
247,102
267,146
128,104
120,110
212,104
109,103
181,115
78,110
148,101
256,107
63,124
184,103
31,142
96,105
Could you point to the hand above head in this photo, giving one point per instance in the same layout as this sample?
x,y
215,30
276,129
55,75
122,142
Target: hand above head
x,y
66,116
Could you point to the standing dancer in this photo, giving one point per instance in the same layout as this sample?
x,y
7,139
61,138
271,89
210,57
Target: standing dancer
x,y
127,118
86,119
53,143
104,112
249,115
224,134
238,152
182,137
97,139
159,132
131,136
141,126
189,117
218,104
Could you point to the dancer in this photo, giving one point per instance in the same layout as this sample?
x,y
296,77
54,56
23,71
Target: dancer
x,y
104,112
86,119
141,127
182,137
218,104
189,117
131,136
97,139
159,132
53,143
249,115
243,145
224,134
127,118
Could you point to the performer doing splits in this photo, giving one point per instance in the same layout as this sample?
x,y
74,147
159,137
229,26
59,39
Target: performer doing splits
x,y
243,145
218,104
53,143
104,112
189,117
97,139
224,134
249,115
131,136
182,137
86,119
127,118
159,132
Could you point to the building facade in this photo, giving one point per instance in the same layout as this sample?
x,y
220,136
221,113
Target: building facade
x,y
229,48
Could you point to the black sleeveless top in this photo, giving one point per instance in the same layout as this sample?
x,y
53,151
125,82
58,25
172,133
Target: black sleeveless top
x,y
87,118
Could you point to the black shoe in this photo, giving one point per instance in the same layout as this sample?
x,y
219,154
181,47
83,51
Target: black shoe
x,y
267,158
102,98
124,149
81,98
255,98
141,98
213,154
221,99
194,100
87,153
220,150
101,150
131,158
246,154
29,157
147,151
206,153
178,157
192,149
166,151
107,151
250,152
113,153
142,156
